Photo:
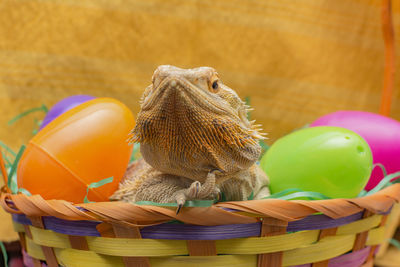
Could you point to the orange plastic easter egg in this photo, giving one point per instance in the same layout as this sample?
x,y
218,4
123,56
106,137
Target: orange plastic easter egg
x,y
84,145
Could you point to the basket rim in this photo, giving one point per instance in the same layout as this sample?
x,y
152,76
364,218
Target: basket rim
x,y
233,212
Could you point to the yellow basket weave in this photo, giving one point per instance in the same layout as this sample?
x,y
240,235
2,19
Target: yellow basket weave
x,y
270,232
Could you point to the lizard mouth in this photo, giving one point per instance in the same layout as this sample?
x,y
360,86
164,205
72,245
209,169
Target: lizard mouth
x,y
174,92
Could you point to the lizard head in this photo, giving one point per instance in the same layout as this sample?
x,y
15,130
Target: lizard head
x,y
191,123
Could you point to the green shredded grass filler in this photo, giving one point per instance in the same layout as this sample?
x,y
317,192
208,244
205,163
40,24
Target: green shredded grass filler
x,y
395,243
8,149
191,203
4,252
96,185
12,177
8,161
5,153
42,108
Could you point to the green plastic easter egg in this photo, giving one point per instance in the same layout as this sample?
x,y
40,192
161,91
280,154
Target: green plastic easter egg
x,y
330,160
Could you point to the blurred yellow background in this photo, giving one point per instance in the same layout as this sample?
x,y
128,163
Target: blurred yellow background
x,y
296,60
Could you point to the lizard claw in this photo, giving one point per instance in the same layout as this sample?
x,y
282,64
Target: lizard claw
x,y
178,209
180,201
218,194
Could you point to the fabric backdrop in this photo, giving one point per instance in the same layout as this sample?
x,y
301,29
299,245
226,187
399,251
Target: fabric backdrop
x,y
295,60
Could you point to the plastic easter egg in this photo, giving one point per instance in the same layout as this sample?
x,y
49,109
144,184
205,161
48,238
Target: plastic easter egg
x,y
381,133
63,106
330,160
83,145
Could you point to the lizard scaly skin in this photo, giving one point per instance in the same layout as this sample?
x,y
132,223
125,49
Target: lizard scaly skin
x,y
196,142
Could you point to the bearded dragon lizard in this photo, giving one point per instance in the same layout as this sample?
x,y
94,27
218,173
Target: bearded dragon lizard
x,y
196,142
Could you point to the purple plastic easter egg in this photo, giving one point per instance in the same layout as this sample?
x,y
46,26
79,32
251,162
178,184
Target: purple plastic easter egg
x,y
63,106
381,133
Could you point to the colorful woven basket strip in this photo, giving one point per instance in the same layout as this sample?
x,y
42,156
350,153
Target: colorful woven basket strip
x,y
347,260
237,212
194,232
268,232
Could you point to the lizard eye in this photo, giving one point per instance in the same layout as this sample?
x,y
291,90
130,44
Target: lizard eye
x,y
215,85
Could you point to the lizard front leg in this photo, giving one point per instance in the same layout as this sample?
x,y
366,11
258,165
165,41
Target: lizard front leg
x,y
199,191
143,183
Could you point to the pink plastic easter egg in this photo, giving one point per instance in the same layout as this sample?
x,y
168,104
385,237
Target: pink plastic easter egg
x,y
381,133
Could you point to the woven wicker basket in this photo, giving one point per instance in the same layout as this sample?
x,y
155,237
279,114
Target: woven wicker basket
x,y
270,232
